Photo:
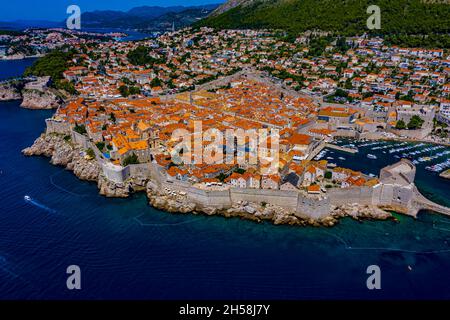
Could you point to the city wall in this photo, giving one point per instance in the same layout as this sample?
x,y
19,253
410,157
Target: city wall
x,y
55,126
383,194
361,195
81,140
303,205
412,134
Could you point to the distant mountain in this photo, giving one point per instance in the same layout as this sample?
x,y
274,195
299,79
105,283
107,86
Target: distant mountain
x,y
147,17
154,11
345,16
230,4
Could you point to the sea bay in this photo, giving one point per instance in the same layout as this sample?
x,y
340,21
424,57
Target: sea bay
x,y
128,250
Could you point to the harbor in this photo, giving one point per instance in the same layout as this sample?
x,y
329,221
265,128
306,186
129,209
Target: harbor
x,y
426,156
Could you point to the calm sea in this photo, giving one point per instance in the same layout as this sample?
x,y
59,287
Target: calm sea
x,y
128,250
14,68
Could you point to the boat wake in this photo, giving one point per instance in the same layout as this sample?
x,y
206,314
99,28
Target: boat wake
x,y
28,199
347,246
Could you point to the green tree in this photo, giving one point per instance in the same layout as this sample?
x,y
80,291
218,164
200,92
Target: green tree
x,y
239,170
131,159
65,85
221,177
415,122
341,45
126,81
100,145
52,64
156,82
134,90
141,56
90,153
124,92
406,21
400,125
81,129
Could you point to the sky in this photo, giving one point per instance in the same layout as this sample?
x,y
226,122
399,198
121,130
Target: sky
x,y
55,10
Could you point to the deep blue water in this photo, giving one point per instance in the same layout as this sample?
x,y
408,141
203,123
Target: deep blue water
x,y
128,250
14,68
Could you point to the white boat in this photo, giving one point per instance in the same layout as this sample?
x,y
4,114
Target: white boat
x,y
371,156
27,198
341,158
331,165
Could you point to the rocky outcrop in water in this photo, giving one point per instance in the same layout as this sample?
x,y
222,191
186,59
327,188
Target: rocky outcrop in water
x,y
34,92
37,99
113,190
360,212
62,152
9,91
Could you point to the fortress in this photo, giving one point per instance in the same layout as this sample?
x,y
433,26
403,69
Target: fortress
x,y
396,190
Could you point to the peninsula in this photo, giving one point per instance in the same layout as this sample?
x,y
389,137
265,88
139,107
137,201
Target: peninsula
x,y
137,106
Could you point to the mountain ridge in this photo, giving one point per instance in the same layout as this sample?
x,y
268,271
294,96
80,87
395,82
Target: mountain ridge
x,y
343,16
146,17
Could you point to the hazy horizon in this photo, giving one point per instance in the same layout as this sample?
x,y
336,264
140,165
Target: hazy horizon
x,y
55,10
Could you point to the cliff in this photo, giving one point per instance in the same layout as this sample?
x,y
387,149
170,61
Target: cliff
x,y
9,91
112,190
36,99
62,152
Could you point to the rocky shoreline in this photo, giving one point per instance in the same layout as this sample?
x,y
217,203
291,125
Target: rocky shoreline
x,y
42,98
10,91
259,213
64,152
36,99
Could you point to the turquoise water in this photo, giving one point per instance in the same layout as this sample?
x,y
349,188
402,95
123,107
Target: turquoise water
x,y
128,250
